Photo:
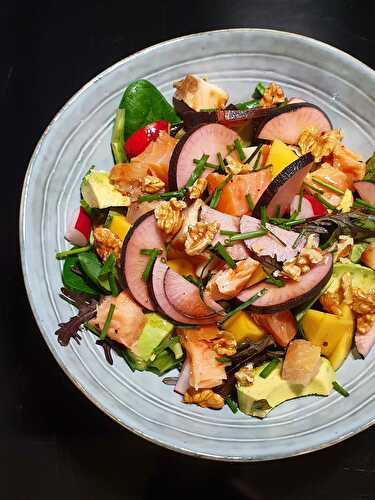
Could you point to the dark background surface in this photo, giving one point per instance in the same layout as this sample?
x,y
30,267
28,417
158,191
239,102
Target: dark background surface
x,y
53,442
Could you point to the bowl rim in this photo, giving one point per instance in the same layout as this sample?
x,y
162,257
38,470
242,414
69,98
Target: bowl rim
x,y
25,271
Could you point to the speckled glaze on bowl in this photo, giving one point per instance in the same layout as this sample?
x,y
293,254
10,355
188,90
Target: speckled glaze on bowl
x,y
79,136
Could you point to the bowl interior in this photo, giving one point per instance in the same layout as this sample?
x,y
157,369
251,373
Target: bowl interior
x,y
79,137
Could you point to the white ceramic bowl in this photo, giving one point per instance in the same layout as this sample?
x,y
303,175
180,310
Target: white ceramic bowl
x,y
79,136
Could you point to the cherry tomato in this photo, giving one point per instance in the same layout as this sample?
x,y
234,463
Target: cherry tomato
x,y
139,141
318,208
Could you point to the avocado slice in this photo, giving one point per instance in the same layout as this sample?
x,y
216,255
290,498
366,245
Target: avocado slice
x,y
265,394
98,192
154,332
362,277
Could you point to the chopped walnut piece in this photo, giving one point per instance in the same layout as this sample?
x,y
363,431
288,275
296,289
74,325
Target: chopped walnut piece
x,y
198,188
206,398
362,302
343,248
170,216
302,264
199,236
226,344
228,283
364,323
312,241
273,94
107,242
245,376
152,184
331,302
320,144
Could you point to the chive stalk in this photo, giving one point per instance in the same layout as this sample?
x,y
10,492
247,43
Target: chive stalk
x,y
263,216
72,251
360,203
152,255
231,404
161,196
224,359
254,153
198,171
240,151
107,321
329,186
313,188
224,232
268,369
219,249
255,167
324,202
249,202
301,191
244,305
247,236
218,190
340,389
274,281
221,162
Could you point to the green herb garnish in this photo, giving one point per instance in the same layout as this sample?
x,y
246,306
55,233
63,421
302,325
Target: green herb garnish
x,y
161,196
218,190
313,188
254,153
224,359
244,305
224,232
247,236
249,202
219,249
340,389
298,239
255,167
117,140
198,171
268,369
329,186
194,281
259,90
72,251
254,103
263,216
232,404
324,202
107,321
152,255
301,191
221,162
364,204
240,151
274,281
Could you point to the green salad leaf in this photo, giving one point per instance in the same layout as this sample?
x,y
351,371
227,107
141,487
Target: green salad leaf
x,y
144,104
370,168
74,280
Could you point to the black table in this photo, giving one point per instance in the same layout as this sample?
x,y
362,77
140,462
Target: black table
x,y
54,443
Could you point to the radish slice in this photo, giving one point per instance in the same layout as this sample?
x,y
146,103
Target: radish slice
x,y
78,233
227,223
294,100
205,139
288,122
185,297
230,117
364,343
144,234
156,289
310,207
137,209
293,294
284,187
183,380
366,190
268,244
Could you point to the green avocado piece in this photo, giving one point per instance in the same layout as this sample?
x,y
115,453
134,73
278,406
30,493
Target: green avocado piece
x,y
362,277
154,332
98,192
265,394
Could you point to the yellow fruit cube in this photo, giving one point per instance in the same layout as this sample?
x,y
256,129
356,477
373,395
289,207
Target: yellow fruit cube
x,y
181,266
257,276
242,326
118,224
280,156
344,346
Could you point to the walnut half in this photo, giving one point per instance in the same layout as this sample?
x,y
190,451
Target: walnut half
x,y
225,345
199,236
107,242
152,184
273,94
170,216
206,398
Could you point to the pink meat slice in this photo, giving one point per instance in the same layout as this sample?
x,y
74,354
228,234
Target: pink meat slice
x,y
289,126
268,244
208,139
227,223
293,293
164,306
143,235
364,343
185,297
366,190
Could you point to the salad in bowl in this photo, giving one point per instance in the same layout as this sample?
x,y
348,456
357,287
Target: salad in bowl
x,y
231,244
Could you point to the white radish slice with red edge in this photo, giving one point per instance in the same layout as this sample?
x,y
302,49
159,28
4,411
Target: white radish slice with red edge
x,y
209,139
144,234
288,122
269,244
277,196
293,294
157,292
310,207
183,383
228,223
78,232
185,296
366,190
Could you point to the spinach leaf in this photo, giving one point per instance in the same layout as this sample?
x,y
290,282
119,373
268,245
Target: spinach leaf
x,y
144,104
370,168
76,282
92,267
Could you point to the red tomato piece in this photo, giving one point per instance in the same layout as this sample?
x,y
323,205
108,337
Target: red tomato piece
x,y
139,141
